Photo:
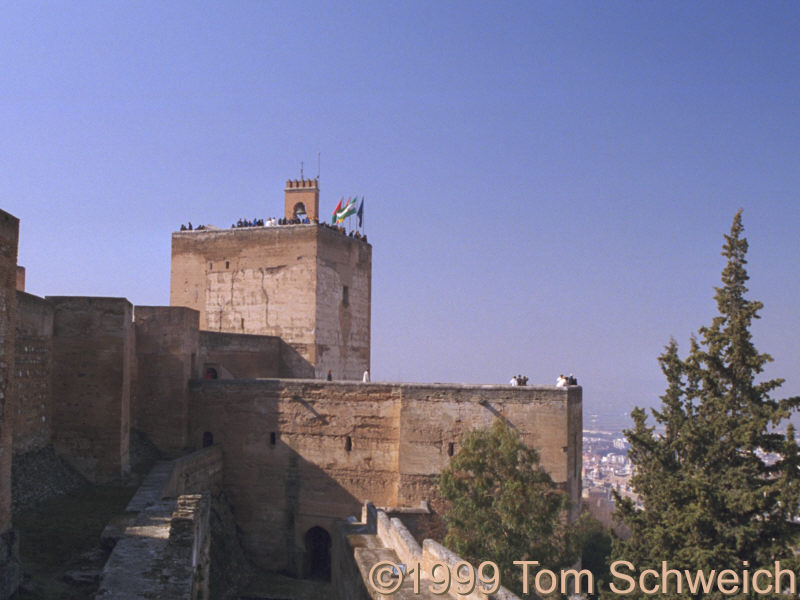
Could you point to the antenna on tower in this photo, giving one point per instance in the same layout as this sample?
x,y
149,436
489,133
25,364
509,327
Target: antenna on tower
x,y
301,170
318,153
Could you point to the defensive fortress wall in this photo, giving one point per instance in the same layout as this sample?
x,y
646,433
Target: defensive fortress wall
x,y
303,454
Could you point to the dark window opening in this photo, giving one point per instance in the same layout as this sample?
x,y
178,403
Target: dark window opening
x,y
227,264
318,554
211,373
208,439
242,323
348,443
299,211
450,449
346,296
210,266
272,438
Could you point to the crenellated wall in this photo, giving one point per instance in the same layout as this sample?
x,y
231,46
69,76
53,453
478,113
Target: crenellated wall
x,y
303,192
304,453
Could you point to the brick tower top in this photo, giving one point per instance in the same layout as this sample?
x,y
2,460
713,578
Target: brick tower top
x,y
302,198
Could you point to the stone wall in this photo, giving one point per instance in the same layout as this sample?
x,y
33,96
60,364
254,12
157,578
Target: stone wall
x,y
9,236
199,471
257,280
304,453
287,468
434,416
166,358
305,192
379,538
163,551
20,279
93,342
286,281
241,356
344,287
32,364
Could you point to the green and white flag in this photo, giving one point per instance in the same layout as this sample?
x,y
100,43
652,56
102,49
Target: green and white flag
x,y
348,210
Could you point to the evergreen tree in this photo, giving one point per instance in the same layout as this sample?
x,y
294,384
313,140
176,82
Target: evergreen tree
x,y
503,506
710,498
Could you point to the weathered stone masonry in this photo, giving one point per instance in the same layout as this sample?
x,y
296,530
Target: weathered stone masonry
x,y
9,561
301,454
93,345
32,367
307,284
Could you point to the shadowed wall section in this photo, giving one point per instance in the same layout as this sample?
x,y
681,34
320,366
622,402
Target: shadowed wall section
x,y
9,236
303,453
32,364
166,357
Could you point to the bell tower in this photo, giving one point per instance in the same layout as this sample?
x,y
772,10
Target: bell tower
x,y
301,198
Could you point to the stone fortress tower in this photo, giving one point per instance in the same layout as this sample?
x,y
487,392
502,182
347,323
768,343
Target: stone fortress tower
x,y
308,284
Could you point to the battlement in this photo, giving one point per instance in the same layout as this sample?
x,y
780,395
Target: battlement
x,y
301,199
301,183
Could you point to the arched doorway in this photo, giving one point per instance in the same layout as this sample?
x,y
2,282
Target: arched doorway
x,y
318,554
299,211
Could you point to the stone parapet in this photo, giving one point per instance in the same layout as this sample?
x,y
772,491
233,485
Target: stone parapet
x,y
163,553
162,548
378,538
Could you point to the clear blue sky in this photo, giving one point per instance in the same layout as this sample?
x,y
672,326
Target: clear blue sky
x,y
547,183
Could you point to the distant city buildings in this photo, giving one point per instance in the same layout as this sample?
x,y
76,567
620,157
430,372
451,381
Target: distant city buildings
x,y
607,468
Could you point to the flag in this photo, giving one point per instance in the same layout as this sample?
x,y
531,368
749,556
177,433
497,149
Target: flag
x,y
340,210
348,210
336,211
360,213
